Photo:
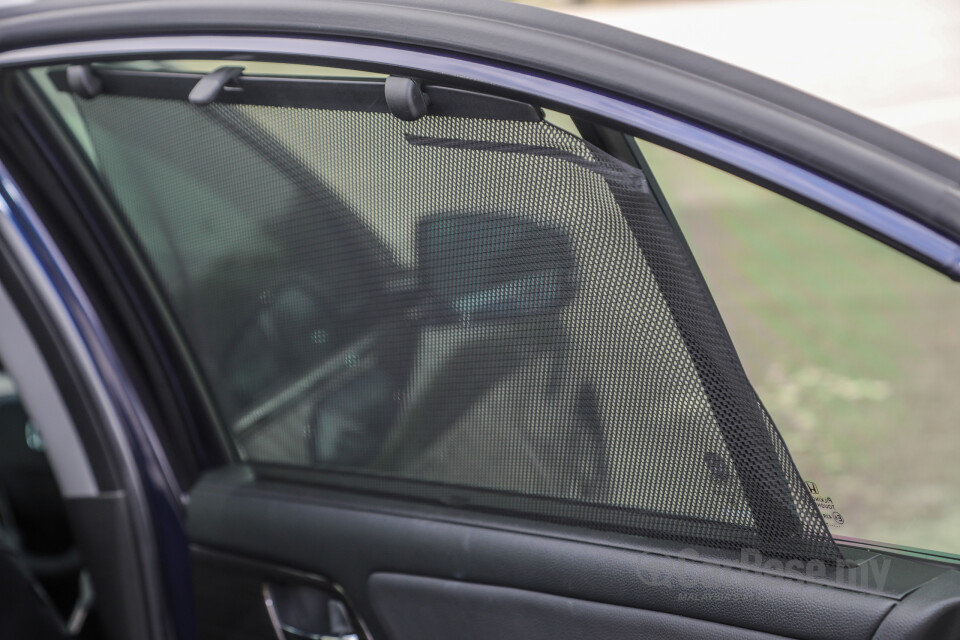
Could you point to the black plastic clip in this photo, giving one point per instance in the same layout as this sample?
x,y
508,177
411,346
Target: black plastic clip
x,y
210,85
83,81
405,98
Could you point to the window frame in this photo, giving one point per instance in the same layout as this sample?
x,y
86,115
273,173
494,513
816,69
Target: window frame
x,y
738,157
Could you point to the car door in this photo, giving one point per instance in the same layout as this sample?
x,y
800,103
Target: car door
x,y
419,346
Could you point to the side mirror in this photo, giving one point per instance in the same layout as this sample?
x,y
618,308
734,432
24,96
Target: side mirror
x,y
490,267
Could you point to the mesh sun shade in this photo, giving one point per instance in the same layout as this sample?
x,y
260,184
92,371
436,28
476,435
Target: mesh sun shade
x,y
485,312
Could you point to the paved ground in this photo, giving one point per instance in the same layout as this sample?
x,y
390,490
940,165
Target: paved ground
x,y
896,61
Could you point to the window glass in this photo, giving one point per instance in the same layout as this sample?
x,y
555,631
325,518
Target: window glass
x,y
851,346
474,306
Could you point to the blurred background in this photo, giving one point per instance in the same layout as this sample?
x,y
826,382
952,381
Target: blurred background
x,y
895,61
852,347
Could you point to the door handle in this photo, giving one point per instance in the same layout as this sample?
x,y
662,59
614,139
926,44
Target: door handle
x,y
307,612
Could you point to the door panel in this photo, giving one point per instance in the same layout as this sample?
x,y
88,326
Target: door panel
x,y
413,607
929,612
244,599
349,540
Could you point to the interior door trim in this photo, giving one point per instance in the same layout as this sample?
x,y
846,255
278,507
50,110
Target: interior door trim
x,y
275,571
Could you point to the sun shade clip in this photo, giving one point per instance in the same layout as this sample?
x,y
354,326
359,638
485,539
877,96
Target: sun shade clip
x,y
405,98
84,81
209,86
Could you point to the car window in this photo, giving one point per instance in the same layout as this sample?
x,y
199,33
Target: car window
x,y
467,304
850,345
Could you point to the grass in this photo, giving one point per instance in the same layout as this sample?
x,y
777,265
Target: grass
x,y
850,345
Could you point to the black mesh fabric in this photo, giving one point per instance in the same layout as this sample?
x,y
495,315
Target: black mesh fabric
x,y
492,314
